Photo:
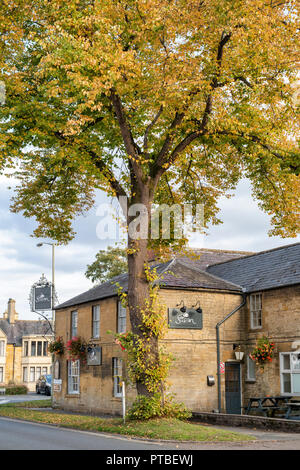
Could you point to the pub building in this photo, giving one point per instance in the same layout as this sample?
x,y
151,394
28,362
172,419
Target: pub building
x,y
217,307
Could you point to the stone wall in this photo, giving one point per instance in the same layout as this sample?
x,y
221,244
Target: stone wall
x,y
281,324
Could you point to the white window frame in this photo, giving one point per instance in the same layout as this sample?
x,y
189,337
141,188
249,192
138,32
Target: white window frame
x,y
44,370
117,376
74,377
96,315
251,368
25,374
74,323
293,372
256,311
2,347
38,372
26,348
33,348
32,374
1,374
121,327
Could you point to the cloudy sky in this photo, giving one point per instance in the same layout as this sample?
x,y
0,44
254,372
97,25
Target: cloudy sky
x,y
22,263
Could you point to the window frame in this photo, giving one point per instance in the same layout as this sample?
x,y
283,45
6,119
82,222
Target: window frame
x,y
1,374
121,318
73,373
33,348
39,348
25,374
117,376
250,364
2,347
291,372
96,322
32,374
74,324
255,311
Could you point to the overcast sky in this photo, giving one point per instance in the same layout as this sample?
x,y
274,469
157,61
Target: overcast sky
x,y
22,263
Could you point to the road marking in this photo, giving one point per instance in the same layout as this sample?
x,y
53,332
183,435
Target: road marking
x,y
3,401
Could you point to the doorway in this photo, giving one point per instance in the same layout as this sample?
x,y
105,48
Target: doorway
x,y
233,388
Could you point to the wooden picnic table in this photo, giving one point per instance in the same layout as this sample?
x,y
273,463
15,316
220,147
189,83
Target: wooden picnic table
x,y
268,405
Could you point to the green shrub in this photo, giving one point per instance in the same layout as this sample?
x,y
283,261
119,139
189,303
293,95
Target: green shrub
x,y
16,390
144,408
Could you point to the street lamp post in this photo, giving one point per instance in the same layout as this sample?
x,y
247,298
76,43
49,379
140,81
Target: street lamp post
x,y
53,280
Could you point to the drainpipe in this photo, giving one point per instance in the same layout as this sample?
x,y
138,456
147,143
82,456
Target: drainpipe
x,y
218,347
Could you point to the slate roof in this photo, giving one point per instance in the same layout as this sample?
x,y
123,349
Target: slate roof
x,y
15,331
274,268
238,271
174,274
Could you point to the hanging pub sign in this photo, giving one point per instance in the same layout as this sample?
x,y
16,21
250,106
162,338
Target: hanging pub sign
x,y
185,318
41,295
94,356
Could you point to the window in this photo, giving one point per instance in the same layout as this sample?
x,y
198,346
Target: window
x,y
73,377
44,371
1,375
290,373
117,376
33,348
96,321
250,369
121,318
38,372
255,311
32,374
25,374
39,348
25,348
2,348
45,348
74,320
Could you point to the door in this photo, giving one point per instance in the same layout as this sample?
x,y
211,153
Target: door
x,y
233,388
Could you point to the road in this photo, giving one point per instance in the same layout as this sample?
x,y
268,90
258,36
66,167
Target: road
x,y
21,435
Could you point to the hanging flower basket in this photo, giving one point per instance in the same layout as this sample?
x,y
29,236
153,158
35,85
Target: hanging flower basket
x,y
57,346
124,340
77,348
263,353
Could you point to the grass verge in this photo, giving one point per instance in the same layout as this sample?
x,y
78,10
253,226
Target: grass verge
x,y
169,429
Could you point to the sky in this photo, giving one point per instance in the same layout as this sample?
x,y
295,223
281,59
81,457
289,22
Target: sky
x,y
245,228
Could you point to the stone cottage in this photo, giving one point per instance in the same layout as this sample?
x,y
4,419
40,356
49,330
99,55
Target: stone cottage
x,y
216,306
24,355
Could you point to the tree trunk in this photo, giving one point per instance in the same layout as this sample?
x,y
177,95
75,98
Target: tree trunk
x,y
138,285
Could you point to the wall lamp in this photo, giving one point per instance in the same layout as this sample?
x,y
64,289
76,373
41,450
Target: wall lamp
x,y
183,308
198,309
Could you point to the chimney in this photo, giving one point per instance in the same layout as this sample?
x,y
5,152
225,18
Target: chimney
x,y
12,315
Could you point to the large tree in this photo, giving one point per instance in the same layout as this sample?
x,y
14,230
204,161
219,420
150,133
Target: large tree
x,y
153,100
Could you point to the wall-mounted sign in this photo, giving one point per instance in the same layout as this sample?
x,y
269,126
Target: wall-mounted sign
x,y
94,356
222,367
190,318
56,387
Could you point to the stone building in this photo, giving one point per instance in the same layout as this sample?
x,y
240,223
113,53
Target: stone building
x,y
215,306
24,352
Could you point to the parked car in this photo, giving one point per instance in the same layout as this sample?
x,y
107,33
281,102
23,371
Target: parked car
x,y
44,384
